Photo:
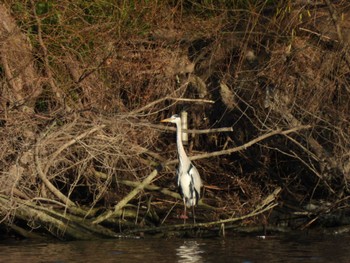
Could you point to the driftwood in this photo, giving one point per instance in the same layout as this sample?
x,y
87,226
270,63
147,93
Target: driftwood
x,y
267,204
58,223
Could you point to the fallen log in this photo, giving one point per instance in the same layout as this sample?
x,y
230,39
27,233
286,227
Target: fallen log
x,y
59,224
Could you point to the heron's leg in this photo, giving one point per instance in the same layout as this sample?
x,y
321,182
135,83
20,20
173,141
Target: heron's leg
x,y
194,215
185,212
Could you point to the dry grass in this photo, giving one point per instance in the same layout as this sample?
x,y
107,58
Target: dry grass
x,y
84,118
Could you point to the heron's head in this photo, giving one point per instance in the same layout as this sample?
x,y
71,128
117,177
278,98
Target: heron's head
x,y
173,119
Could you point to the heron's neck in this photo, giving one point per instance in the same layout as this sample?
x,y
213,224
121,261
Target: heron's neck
x,y
180,147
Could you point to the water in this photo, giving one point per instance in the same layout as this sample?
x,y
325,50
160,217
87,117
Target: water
x,y
296,248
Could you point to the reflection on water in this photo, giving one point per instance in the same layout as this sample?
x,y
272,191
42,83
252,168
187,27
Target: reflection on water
x,y
189,251
287,248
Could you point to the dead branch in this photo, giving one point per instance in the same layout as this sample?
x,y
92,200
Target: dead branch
x,y
47,182
23,232
267,204
246,145
193,131
48,71
152,187
134,184
334,16
17,63
91,71
70,143
42,173
321,36
153,103
68,225
191,100
126,199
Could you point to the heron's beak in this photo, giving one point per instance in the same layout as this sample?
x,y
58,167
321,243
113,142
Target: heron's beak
x,y
166,120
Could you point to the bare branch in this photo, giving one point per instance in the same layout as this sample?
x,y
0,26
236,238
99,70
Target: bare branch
x,y
267,204
48,72
193,131
246,145
46,181
126,199
192,100
69,143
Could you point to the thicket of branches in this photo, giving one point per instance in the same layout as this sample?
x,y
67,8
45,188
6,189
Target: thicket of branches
x,y
85,84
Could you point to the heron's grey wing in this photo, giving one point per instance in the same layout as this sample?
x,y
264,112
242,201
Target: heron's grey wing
x,y
196,182
178,173
193,172
178,176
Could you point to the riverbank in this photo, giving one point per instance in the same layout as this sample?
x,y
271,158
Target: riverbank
x,y
85,85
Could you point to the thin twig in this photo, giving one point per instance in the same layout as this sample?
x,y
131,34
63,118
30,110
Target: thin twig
x,y
335,18
153,103
88,73
321,36
45,54
334,15
69,143
192,100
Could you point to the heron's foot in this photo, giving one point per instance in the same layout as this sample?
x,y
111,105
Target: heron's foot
x,y
183,216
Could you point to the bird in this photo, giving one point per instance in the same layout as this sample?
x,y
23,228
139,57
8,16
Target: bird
x,y
188,179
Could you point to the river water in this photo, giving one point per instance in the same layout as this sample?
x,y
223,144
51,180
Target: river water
x,y
286,248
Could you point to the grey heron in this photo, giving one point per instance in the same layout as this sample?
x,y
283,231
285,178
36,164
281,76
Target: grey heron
x,y
188,178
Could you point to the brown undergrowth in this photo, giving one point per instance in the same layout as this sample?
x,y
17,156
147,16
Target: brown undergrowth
x,y
83,154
